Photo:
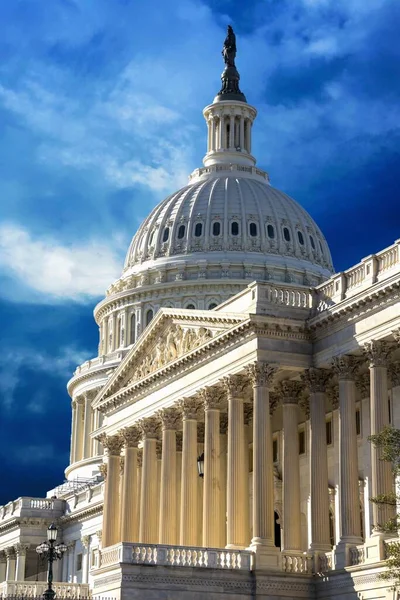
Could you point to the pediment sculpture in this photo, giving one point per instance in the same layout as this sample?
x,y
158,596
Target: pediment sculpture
x,y
178,341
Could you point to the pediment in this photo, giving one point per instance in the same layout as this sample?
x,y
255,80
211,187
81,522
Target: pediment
x,y
168,338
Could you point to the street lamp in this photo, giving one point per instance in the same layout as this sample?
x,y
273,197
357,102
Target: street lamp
x,y
51,552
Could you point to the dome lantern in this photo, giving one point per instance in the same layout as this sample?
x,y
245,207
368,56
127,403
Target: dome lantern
x,y
229,118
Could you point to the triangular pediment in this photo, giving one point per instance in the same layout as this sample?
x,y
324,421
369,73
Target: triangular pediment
x,y
172,335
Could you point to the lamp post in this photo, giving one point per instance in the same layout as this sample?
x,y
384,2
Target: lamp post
x,y
51,552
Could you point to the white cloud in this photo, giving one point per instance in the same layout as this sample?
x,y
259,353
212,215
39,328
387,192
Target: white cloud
x,y
57,271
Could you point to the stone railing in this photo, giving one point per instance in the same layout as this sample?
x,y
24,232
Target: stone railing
x,y
297,563
31,589
372,269
32,507
179,556
357,555
100,361
228,167
323,562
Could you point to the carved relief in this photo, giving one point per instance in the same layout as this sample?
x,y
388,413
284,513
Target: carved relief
x,y
261,373
178,342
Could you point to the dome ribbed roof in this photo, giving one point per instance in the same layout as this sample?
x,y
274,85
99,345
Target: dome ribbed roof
x,y
227,212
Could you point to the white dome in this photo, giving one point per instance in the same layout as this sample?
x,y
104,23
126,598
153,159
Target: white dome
x,y
231,213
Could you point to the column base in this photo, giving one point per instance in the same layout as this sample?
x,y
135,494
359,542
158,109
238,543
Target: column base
x,y
266,557
235,547
341,551
315,548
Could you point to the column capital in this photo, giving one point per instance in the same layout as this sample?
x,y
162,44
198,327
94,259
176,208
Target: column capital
x,y
363,384
261,373
290,391
394,373
315,379
345,367
189,408
212,398
396,334
10,552
131,436
169,418
3,557
235,385
112,443
150,427
20,549
80,399
377,353
85,539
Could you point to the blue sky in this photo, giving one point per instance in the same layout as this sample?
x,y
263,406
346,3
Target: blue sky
x,y
100,118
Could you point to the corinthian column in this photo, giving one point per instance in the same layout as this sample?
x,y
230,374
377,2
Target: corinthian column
x,y
189,485
148,533
290,392
211,499
316,380
129,521
237,503
20,551
87,424
113,445
377,353
78,431
169,421
350,532
261,375
73,427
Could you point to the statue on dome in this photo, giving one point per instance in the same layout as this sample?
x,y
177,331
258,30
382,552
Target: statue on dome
x,y
229,49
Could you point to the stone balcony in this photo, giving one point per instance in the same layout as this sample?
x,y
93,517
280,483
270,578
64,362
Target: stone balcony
x,y
32,507
35,589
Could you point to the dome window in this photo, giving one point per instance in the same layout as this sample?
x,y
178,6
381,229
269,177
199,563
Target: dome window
x,y
149,316
212,305
198,230
286,234
165,235
253,229
271,231
235,228
190,307
312,242
216,229
181,232
301,238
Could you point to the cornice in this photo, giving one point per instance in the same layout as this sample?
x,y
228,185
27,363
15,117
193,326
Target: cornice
x,y
82,514
19,522
355,307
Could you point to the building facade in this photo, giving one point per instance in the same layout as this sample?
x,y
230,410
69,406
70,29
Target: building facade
x,y
219,439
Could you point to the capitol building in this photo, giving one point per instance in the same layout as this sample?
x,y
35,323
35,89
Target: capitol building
x,y
219,444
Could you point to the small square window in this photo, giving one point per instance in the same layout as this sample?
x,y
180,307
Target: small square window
x,y
302,441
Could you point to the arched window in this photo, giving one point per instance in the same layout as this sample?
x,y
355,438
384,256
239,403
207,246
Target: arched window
x,y
198,230
286,234
212,305
253,229
165,235
133,328
301,238
271,231
312,242
149,316
216,230
235,228
181,232
190,307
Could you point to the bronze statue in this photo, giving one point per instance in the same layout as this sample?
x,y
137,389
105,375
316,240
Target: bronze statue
x,y
229,49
